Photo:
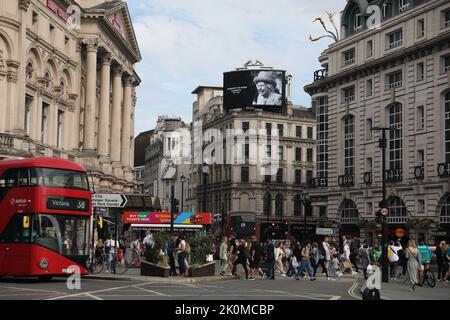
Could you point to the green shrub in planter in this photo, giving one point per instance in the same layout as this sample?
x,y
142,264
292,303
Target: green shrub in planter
x,y
153,255
200,244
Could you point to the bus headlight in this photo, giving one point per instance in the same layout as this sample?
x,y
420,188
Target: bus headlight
x,y
43,264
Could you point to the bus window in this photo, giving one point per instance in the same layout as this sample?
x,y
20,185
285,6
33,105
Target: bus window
x,y
15,231
10,178
23,178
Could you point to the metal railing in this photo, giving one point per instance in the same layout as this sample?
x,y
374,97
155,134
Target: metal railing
x,y
400,219
444,219
419,172
346,180
368,178
443,169
320,74
349,220
394,175
6,141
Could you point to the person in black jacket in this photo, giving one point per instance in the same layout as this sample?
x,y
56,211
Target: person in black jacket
x,y
270,259
243,253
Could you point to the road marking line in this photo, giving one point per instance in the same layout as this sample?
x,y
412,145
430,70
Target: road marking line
x,y
92,296
151,291
90,292
28,289
351,293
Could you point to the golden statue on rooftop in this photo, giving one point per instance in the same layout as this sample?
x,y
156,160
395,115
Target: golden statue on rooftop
x,y
332,35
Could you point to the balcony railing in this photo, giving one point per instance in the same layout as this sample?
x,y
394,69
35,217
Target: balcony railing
x,y
368,178
318,183
6,141
349,62
320,74
349,220
395,85
444,219
443,169
346,180
395,44
405,7
394,175
395,220
349,99
419,172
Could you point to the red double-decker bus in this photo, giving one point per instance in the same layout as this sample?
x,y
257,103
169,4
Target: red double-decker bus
x,y
242,224
45,210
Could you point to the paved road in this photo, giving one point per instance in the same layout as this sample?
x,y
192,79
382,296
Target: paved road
x,y
280,289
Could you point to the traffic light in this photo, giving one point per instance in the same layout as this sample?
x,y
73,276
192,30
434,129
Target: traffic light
x,y
100,222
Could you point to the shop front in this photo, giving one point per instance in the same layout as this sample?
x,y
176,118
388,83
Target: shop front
x,y
442,234
138,223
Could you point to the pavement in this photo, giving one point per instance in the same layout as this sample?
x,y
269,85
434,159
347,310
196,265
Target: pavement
x,y
134,274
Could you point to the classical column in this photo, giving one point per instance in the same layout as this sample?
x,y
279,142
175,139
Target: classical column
x,y
38,117
133,129
91,91
12,108
126,121
103,121
116,114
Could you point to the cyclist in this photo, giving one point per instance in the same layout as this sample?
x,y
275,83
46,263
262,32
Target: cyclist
x,y
425,257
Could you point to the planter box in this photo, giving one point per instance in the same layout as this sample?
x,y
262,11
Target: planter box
x,y
207,270
152,270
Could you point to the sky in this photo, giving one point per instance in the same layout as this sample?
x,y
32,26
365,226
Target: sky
x,y
188,43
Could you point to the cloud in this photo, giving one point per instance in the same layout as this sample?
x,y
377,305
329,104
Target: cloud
x,y
185,44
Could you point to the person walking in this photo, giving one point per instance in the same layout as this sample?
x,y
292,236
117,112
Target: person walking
x,y
393,249
170,252
354,255
365,259
182,254
279,254
255,258
232,254
414,263
270,259
243,256
223,254
315,254
440,252
305,264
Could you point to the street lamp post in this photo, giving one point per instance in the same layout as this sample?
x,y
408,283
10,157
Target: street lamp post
x,y
305,200
183,181
384,226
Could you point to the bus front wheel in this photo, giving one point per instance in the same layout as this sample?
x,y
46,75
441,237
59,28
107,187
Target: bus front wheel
x,y
45,278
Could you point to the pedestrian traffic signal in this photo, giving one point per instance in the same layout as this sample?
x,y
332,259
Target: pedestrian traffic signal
x,y
100,222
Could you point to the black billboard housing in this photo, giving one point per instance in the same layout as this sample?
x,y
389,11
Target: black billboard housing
x,y
262,89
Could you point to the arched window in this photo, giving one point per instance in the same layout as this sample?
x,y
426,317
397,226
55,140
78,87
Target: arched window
x,y
349,145
447,127
267,204
445,211
297,205
395,137
397,211
357,22
349,214
279,205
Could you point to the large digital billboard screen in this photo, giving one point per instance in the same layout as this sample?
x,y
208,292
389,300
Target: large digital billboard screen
x,y
262,89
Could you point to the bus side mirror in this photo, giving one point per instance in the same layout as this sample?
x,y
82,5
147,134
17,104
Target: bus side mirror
x,y
26,222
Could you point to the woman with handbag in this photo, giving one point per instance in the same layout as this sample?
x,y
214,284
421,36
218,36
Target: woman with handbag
x,y
414,263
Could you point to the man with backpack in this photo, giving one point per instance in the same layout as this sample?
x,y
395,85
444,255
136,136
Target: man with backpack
x,y
393,256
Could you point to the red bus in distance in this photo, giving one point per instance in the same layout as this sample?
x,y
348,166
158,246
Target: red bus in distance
x,y
45,210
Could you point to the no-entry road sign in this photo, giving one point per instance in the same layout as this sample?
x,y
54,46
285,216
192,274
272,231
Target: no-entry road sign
x,y
109,200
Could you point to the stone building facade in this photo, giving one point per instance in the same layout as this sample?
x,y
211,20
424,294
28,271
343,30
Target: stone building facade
x,y
397,76
242,187
68,86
